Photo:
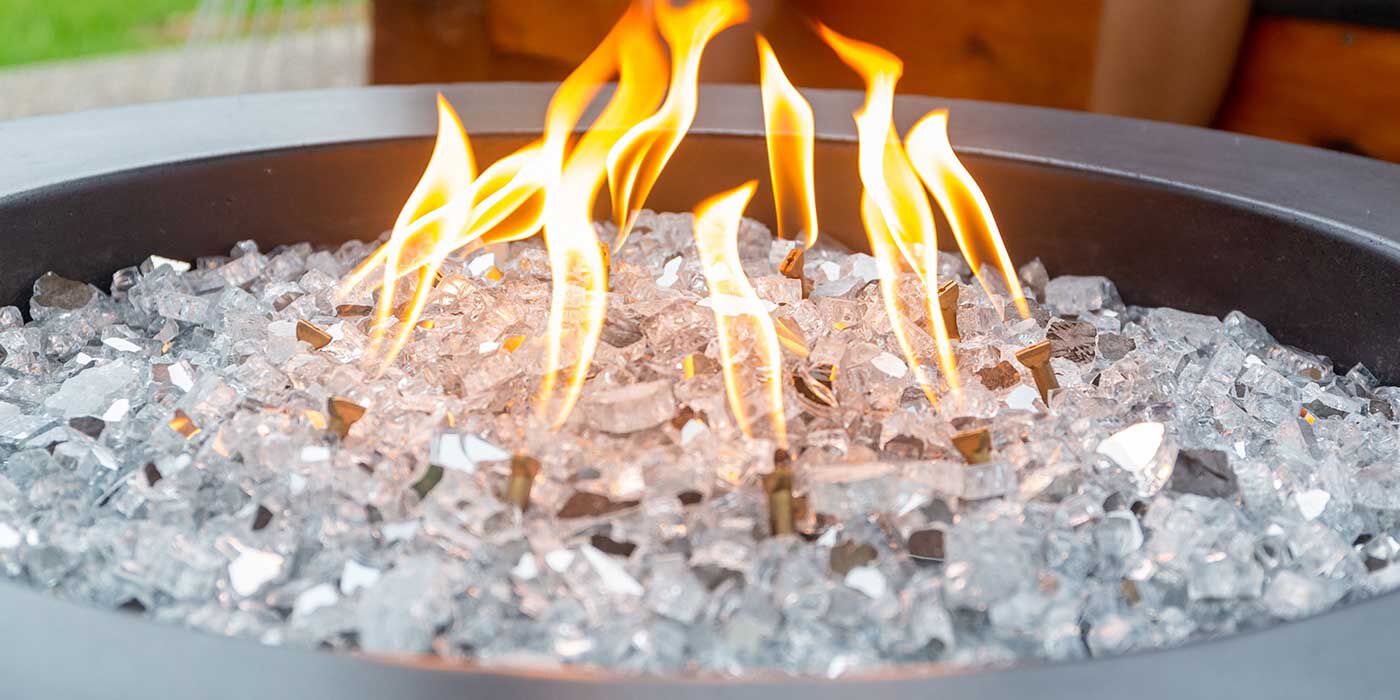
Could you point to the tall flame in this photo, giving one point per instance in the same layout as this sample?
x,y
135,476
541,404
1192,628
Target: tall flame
x,y
895,210
739,313
636,161
578,267
962,202
788,126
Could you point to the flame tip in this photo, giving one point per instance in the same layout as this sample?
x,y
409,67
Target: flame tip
x,y
789,132
765,48
963,203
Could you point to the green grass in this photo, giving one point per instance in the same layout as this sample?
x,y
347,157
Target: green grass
x,y
41,30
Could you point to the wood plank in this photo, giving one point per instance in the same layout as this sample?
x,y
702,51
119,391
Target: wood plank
x,y
562,31
1318,83
1008,50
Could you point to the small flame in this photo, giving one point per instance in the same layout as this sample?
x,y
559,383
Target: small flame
x,y
450,169
788,126
739,313
962,203
506,202
894,208
887,263
577,264
503,203
480,204
636,161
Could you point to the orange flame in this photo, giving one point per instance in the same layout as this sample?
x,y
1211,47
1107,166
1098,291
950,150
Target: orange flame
x,y
577,264
895,210
739,312
962,202
636,161
788,126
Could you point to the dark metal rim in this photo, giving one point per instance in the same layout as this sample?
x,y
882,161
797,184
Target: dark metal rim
x,y
1343,195
1342,192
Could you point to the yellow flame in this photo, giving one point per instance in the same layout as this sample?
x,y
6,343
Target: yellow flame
x,y
480,204
895,210
962,202
739,312
636,161
503,203
553,184
506,201
578,267
450,169
788,126
882,246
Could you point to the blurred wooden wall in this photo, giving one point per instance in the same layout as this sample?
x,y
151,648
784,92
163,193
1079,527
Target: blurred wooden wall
x,y
1321,83
1327,84
987,51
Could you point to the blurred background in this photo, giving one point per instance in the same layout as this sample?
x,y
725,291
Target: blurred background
x,y
1319,72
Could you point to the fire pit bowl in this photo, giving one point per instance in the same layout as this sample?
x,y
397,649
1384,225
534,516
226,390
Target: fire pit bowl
x,y
1306,241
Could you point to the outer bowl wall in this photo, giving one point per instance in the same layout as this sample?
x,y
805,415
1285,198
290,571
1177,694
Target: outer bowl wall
x,y
1304,240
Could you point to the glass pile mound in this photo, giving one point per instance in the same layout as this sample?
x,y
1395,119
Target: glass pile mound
x,y
209,445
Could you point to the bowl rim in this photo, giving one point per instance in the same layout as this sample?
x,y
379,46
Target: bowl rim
x,y
1325,188
1346,195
